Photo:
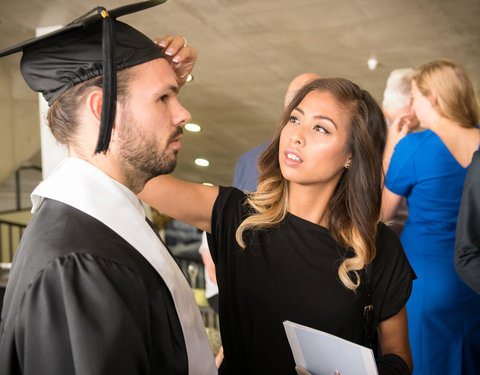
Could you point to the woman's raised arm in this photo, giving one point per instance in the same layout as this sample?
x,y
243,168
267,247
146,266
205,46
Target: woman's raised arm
x,y
185,201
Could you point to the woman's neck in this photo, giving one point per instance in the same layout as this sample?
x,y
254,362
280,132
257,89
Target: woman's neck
x,y
444,124
310,202
462,142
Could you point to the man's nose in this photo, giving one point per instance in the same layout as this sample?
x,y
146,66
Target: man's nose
x,y
182,116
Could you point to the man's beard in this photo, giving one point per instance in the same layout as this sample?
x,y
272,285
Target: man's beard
x,y
142,158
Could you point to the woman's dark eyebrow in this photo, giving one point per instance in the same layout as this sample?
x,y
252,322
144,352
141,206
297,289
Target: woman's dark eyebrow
x,y
317,116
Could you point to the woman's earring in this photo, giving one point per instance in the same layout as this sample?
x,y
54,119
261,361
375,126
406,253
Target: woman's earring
x,y
347,165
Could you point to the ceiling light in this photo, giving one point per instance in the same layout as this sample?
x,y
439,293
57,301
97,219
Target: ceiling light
x,y
192,127
372,63
202,162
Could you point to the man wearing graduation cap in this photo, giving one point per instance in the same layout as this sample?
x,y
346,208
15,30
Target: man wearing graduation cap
x,y
92,289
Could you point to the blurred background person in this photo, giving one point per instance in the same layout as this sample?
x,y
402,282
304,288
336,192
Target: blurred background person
x,y
211,287
467,243
397,100
429,168
397,97
246,170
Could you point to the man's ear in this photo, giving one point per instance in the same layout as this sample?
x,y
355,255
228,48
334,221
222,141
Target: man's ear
x,y
94,104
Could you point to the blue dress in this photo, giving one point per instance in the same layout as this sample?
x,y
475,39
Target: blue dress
x,y
443,313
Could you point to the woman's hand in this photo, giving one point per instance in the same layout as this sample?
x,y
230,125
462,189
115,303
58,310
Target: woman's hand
x,y
403,124
181,57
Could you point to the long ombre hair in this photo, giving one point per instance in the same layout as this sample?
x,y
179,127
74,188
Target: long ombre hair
x,y
354,208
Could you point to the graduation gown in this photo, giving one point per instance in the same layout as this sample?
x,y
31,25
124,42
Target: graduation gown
x,y
82,300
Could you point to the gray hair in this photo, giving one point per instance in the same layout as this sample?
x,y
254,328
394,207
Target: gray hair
x,y
397,94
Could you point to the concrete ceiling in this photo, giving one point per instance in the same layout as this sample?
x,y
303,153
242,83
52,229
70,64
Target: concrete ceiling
x,y
249,50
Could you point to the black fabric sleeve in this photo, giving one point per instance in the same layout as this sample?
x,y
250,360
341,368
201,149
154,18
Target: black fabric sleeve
x,y
84,315
228,213
393,275
392,364
226,217
467,241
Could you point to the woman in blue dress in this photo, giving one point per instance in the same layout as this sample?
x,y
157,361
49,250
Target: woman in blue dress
x,y
429,168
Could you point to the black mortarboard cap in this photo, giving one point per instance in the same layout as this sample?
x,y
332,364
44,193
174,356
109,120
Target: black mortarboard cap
x,y
92,45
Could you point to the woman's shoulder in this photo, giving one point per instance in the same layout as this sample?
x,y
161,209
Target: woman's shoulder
x,y
230,200
416,139
389,248
388,242
229,195
385,233
413,144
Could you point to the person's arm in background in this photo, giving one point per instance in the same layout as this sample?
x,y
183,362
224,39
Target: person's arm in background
x,y
467,242
399,129
207,259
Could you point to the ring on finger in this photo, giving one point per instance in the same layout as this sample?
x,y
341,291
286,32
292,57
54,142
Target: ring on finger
x,y
185,43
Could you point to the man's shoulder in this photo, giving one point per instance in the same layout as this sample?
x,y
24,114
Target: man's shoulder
x,y
475,164
58,235
58,230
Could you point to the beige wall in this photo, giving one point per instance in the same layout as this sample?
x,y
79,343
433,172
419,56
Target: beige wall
x,y
19,121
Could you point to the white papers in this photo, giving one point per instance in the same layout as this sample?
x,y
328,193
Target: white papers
x,y
322,354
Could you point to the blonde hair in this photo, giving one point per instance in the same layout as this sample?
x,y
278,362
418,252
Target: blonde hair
x,y
456,97
354,208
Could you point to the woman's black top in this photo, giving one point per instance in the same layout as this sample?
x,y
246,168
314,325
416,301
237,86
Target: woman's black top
x,y
289,272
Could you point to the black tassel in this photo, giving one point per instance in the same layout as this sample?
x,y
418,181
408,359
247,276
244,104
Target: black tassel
x,y
109,82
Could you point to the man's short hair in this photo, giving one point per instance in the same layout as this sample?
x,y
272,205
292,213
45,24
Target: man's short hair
x,y
397,94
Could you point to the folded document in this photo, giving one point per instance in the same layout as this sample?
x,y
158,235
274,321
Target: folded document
x,y
322,353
